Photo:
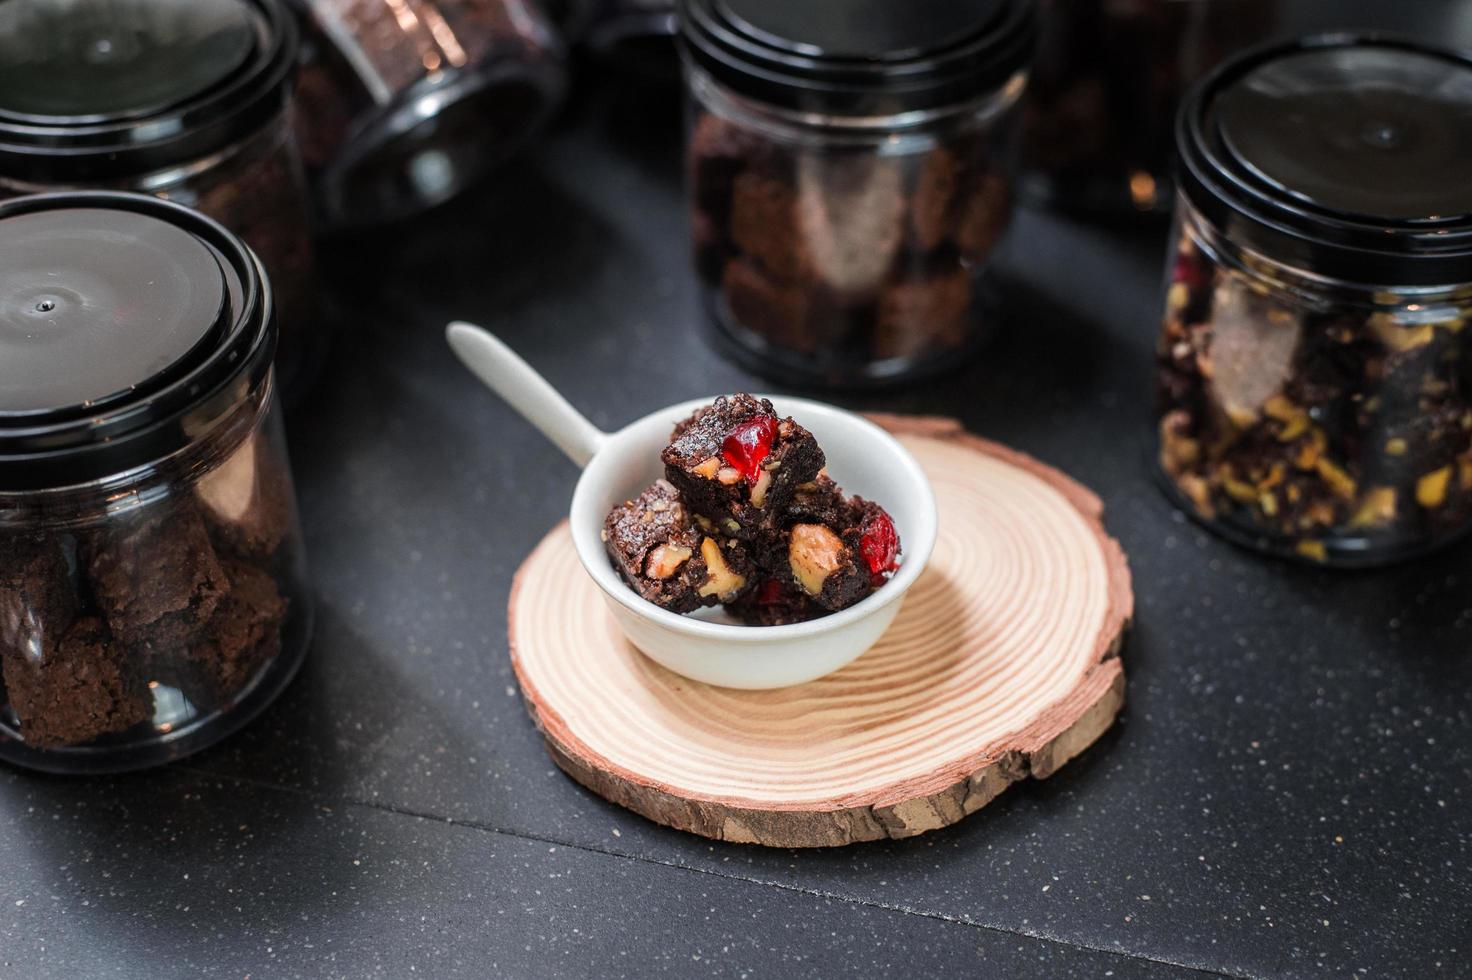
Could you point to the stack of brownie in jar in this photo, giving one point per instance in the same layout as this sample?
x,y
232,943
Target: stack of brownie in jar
x,y
747,517
177,594
834,257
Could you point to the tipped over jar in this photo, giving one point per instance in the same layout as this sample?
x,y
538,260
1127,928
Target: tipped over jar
x,y
152,589
1314,371
850,178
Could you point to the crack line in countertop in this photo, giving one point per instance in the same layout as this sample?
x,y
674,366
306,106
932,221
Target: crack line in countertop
x,y
675,866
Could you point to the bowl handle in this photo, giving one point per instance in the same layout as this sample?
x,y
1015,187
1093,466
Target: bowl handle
x,y
505,373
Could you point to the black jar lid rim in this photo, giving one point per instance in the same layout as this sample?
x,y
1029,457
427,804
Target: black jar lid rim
x,y
234,99
74,444
1222,180
855,70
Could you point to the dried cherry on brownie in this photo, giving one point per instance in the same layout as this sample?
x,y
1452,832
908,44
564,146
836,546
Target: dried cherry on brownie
x,y
665,554
739,500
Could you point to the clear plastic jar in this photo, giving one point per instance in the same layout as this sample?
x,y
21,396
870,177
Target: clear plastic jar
x,y
153,596
635,36
850,177
1314,369
403,105
1109,75
188,100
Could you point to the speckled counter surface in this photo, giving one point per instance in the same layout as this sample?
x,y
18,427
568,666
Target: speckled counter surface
x,y
1286,794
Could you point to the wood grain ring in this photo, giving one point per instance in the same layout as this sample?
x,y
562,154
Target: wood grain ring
x,y
1002,664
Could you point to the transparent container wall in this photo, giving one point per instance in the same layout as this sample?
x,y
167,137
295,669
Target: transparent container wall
x,y
149,615
401,106
1325,420
1108,78
257,189
636,36
847,254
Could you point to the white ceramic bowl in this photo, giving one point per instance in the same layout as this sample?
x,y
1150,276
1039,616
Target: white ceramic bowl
x,y
710,647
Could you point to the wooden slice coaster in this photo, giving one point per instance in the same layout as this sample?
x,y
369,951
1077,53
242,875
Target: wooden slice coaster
x,y
1002,664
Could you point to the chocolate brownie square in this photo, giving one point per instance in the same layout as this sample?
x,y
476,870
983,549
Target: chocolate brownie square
x,y
933,207
666,556
719,151
88,686
780,312
774,603
38,600
924,314
766,225
246,501
984,216
831,550
156,577
737,464
244,633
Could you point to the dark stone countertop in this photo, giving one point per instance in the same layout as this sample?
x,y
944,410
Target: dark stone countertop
x,y
1286,793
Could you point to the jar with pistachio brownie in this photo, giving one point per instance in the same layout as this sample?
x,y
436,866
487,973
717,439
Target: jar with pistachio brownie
x,y
152,592
850,169
1314,368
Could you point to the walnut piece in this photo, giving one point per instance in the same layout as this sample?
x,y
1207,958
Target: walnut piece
x,y
814,553
665,560
759,490
721,582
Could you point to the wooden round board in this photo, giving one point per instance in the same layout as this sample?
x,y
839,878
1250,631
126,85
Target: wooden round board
x,y
1002,664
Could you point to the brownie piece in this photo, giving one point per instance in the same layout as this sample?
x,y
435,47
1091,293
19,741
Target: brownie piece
x,y
830,549
774,603
780,312
246,501
765,225
244,633
737,464
933,208
924,314
37,598
86,687
156,579
984,216
666,556
720,150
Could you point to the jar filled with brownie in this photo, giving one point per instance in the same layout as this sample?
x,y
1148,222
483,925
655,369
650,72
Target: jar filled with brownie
x,y
185,99
1098,124
152,589
851,170
1314,369
403,105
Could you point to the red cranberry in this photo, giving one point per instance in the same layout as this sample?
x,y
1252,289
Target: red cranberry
x,y
1190,270
748,444
879,543
770,593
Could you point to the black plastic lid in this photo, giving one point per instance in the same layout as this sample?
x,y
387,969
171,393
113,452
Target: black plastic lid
x,y
120,316
1345,156
95,90
860,57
